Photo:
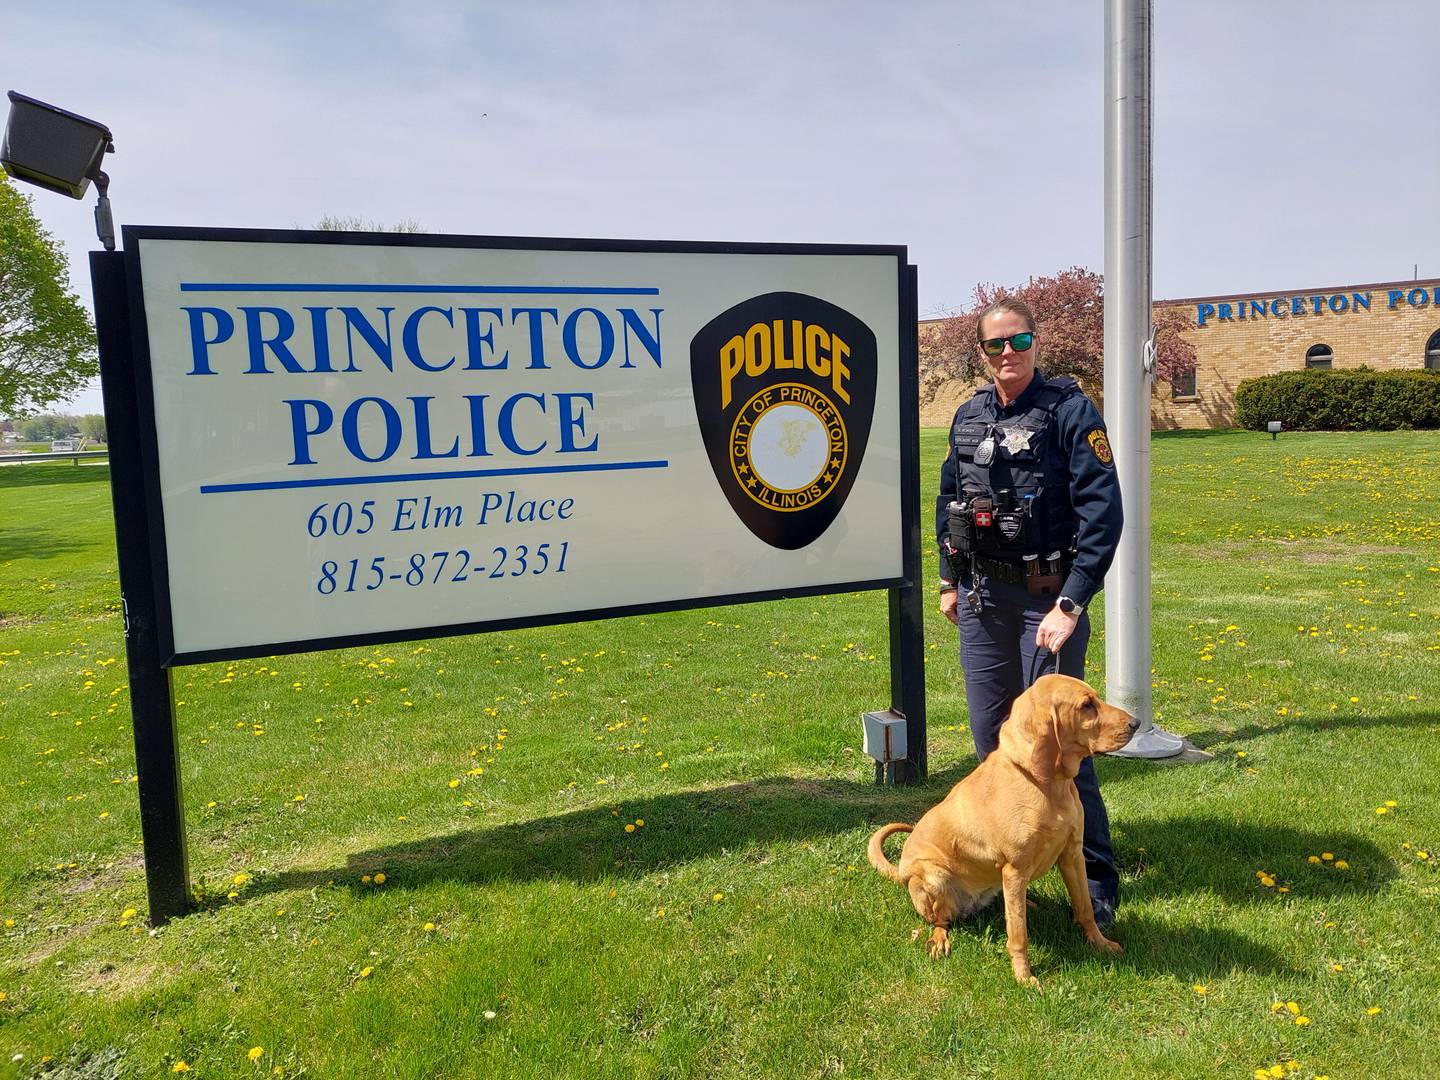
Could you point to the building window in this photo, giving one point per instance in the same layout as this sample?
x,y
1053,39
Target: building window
x,y
1432,352
1184,385
1320,357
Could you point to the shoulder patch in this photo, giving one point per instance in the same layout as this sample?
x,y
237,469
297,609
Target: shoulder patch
x,y
1100,447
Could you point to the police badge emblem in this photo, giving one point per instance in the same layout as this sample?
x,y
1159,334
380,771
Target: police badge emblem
x,y
1009,524
784,394
1016,439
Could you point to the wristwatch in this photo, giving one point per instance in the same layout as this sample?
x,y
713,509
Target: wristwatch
x,y
1069,607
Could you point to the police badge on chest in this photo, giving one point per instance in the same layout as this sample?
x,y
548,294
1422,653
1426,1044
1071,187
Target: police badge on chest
x,y
1016,439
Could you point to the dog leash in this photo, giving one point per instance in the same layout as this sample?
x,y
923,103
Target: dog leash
x,y
1040,656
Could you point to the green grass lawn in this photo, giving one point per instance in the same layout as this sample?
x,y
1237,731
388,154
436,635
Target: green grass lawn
x,y
522,929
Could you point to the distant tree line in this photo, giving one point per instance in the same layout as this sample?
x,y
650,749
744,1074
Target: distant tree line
x,y
57,426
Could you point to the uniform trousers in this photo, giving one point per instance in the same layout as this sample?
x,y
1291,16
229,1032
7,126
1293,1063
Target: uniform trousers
x,y
1000,659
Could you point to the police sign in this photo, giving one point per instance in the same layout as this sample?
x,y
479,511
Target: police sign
x,y
359,437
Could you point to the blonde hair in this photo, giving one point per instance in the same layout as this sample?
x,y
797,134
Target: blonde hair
x,y
1010,304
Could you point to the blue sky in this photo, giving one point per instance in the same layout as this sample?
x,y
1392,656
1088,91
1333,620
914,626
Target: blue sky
x,y
1296,143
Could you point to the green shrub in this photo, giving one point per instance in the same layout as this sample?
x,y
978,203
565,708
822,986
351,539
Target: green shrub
x,y
1354,400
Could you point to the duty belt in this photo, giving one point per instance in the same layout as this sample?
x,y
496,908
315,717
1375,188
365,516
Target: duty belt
x,y
1012,573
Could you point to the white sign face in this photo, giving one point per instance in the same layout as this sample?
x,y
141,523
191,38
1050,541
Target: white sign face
x,y
357,440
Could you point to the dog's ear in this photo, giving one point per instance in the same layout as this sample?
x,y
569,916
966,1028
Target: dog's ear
x,y
1045,747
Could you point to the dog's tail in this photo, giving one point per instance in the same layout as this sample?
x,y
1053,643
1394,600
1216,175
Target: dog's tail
x,y
876,850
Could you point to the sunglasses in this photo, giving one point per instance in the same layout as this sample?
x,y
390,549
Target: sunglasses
x,y
1019,342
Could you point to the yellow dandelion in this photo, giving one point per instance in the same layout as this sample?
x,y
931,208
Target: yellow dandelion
x,y
4,996
1341,864
365,972
718,897
179,1066
9,923
240,879
1337,967
1327,856
1293,1007
380,879
429,927
1391,803
1201,990
256,1053
1374,1010
364,879
1302,1021
1425,855
639,823
1314,860
629,828
1239,753
455,783
1382,810
1277,1070
128,913
660,913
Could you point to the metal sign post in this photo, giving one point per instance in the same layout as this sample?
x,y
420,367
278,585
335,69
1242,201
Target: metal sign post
x,y
907,603
157,758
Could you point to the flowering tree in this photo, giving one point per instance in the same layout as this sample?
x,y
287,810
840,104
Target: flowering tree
x,y
1070,311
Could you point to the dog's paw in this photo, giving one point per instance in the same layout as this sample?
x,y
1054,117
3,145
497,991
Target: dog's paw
x,y
1029,980
1104,944
939,943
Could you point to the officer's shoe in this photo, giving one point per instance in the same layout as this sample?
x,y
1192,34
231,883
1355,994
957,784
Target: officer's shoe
x,y
1104,911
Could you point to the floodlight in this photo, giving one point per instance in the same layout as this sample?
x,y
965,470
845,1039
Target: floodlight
x,y
53,148
59,151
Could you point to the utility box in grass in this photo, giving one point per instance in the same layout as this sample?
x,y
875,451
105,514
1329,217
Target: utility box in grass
x,y
885,735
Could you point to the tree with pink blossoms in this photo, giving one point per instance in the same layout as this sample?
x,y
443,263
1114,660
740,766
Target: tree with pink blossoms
x,y
1070,311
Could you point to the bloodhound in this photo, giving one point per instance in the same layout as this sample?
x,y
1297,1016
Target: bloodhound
x,y
1011,820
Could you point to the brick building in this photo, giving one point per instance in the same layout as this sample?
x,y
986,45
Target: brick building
x,y
1387,326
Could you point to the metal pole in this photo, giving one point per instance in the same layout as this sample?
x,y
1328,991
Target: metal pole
x,y
1129,363
157,755
907,605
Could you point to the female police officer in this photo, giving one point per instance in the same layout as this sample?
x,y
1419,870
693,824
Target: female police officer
x,y
1028,519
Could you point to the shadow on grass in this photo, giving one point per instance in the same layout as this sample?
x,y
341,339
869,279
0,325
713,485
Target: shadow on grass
x,y
1210,737
37,474
1192,854
587,845
26,543
1183,950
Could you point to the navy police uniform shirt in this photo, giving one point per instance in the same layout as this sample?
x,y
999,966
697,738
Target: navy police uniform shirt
x,y
1079,448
